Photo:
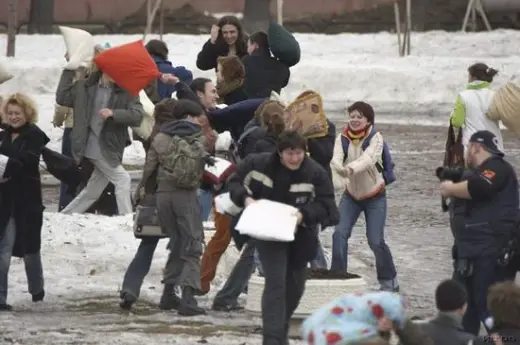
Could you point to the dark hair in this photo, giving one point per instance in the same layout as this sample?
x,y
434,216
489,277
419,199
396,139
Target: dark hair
x,y
260,38
199,84
157,48
185,108
503,301
240,45
163,113
291,140
232,68
481,71
364,109
450,295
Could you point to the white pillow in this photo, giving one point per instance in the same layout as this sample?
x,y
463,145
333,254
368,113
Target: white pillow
x,y
224,141
224,205
268,221
3,163
146,127
4,73
80,47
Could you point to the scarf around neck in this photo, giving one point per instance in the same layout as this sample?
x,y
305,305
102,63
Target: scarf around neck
x,y
225,88
355,137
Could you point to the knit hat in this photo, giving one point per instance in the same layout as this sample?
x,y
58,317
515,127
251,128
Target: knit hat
x,y
488,140
365,109
450,295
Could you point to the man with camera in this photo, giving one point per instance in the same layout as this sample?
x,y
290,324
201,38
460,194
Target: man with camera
x,y
484,210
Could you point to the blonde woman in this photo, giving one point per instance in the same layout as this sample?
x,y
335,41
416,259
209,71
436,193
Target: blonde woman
x,y
21,205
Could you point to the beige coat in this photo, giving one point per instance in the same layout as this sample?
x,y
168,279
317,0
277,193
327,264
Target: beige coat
x,y
366,181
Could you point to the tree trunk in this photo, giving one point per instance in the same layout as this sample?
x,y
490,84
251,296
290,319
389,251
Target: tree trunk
x,y
257,15
12,23
41,17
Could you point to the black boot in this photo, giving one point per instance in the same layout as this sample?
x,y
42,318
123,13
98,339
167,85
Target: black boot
x,y
127,300
189,306
169,300
38,297
5,307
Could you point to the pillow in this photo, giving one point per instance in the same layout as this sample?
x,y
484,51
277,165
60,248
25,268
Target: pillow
x,y
130,65
80,47
224,205
144,130
219,172
283,44
4,74
268,220
3,164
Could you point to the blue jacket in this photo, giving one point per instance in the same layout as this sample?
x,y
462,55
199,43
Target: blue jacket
x,y
165,66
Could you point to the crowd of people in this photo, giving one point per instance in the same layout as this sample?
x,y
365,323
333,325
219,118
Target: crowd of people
x,y
273,162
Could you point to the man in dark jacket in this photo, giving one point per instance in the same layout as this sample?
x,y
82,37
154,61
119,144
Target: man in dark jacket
x,y
446,328
290,177
321,149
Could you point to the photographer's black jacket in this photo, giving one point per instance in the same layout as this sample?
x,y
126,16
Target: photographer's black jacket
x,y
262,176
483,225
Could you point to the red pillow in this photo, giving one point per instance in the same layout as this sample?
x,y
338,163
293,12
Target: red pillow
x,y
218,173
130,65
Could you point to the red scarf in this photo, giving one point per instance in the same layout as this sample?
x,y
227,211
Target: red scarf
x,y
356,136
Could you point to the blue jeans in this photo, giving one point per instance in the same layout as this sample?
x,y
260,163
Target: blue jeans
x,y
66,150
139,267
206,202
33,264
375,216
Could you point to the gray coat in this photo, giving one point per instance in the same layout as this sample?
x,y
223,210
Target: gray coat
x,y
114,137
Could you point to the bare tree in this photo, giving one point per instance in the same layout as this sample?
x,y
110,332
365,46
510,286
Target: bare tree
x,y
41,17
257,15
12,23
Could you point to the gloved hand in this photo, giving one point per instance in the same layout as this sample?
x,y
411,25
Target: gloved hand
x,y
210,160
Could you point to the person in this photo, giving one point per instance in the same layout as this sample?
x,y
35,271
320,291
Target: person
x,y
230,80
21,204
503,302
446,328
227,39
469,112
100,133
264,73
159,90
165,112
364,192
287,176
177,154
484,211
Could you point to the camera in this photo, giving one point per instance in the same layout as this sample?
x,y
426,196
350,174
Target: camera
x,y
449,174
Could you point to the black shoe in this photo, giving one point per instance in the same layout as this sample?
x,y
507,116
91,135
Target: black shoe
x,y
127,301
38,297
6,307
169,300
226,307
188,304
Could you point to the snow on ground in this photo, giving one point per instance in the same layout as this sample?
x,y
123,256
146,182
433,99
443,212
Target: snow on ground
x,y
343,67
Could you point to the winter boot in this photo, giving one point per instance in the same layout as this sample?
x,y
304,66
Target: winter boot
x,y
127,300
169,300
189,306
38,297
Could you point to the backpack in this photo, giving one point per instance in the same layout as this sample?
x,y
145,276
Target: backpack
x,y
183,162
386,168
237,149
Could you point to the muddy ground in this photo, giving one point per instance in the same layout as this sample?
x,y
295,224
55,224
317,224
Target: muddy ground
x,y
417,230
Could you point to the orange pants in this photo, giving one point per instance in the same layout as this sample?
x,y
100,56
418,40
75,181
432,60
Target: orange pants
x,y
214,250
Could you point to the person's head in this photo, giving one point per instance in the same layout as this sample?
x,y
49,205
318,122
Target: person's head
x,y
258,41
98,49
271,117
206,91
451,297
291,147
188,110
230,68
163,111
19,110
157,48
361,115
231,30
503,302
481,71
481,146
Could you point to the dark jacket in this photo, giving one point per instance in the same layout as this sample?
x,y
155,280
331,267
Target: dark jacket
x,y
268,179
446,329
165,66
483,228
267,143
264,74
21,191
322,149
235,96
207,58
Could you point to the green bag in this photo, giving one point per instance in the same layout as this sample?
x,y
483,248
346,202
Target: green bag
x,y
283,44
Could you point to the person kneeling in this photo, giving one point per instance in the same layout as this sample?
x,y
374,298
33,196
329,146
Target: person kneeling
x,y
287,176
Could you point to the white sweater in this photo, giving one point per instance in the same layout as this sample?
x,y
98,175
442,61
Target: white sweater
x,y
367,181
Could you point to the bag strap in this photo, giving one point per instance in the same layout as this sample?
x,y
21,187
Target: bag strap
x,y
246,133
346,143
